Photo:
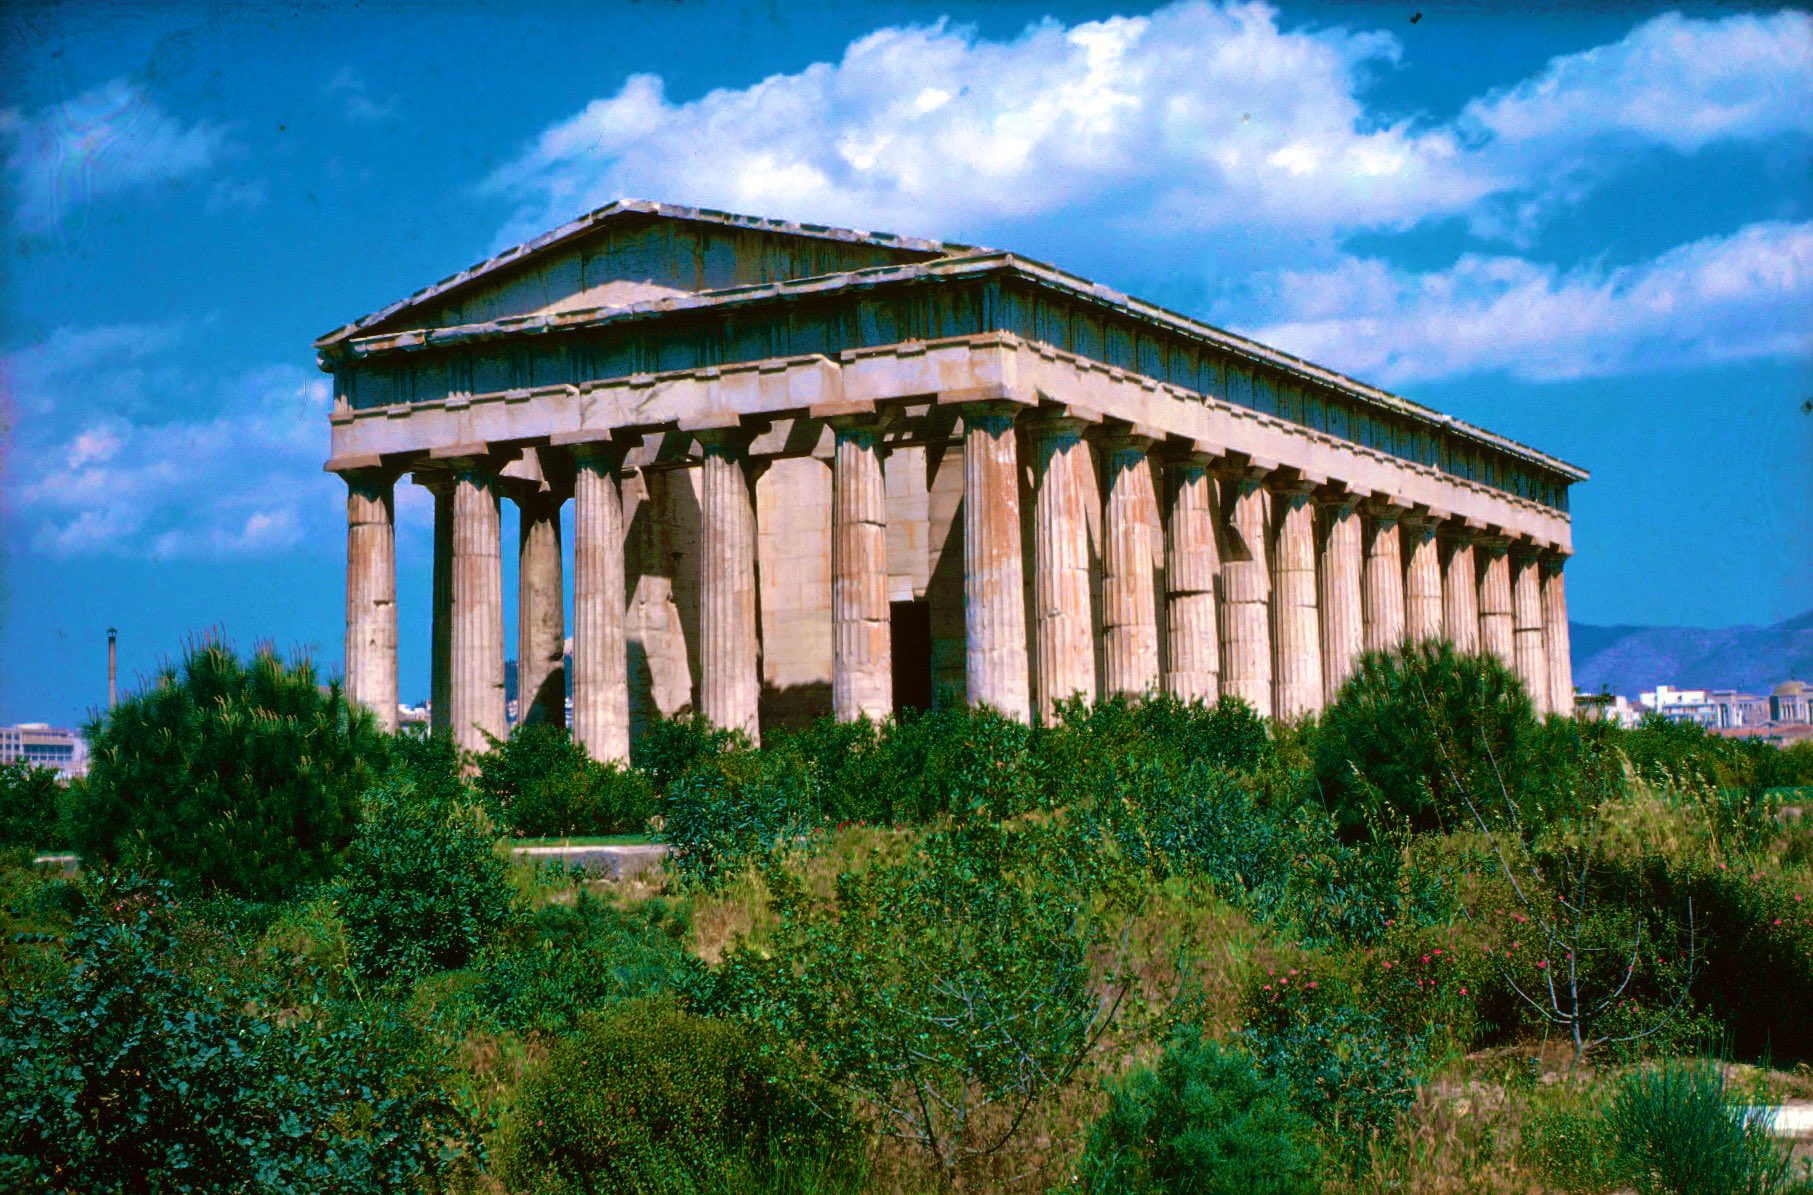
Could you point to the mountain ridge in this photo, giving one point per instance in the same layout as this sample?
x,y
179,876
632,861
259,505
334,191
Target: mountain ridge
x,y
1629,659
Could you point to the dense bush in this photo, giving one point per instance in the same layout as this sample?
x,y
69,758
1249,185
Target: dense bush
x,y
952,990
541,783
431,763
647,1097
1348,1066
567,959
1203,1120
1076,755
668,748
242,778
423,887
139,1069
738,806
30,797
1415,731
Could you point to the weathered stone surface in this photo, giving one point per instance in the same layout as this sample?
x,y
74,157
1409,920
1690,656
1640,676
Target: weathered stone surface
x,y
1460,593
371,593
1193,581
1063,485
1131,577
1246,593
993,566
601,690
477,639
1343,620
1531,658
1422,579
1383,592
1495,624
729,684
541,631
1296,623
1556,648
862,677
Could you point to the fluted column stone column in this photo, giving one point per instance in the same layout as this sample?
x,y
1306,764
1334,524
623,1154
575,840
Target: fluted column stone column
x,y
1422,579
371,592
476,638
729,659
601,692
1460,593
1130,559
994,598
541,621
1383,589
1192,578
862,668
1063,629
1246,593
1555,636
1527,622
1343,618
1296,624
1495,624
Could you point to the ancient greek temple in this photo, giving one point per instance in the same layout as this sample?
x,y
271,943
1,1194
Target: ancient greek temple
x,y
812,470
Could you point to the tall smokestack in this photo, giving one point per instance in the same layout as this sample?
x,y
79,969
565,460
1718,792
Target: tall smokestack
x,y
113,667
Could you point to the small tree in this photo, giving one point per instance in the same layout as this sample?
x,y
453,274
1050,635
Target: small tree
x,y
29,797
226,775
950,992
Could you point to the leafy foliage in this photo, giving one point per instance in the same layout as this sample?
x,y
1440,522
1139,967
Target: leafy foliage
x,y
424,887
223,775
1414,728
950,991
647,1097
541,783
739,806
30,797
1204,1120
668,748
138,1070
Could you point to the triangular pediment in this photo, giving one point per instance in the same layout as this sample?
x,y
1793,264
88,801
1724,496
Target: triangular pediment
x,y
634,251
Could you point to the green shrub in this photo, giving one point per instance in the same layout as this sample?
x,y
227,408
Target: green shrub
x,y
567,959
244,778
959,760
1415,730
1204,1120
137,1069
646,1097
956,985
431,763
739,806
1676,1131
1075,755
668,748
30,797
424,887
1347,1065
541,783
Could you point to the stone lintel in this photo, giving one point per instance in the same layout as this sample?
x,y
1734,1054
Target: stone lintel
x,y
991,395
360,463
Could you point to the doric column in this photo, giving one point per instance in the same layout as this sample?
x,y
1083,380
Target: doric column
x,y
541,625
1555,636
1422,578
994,599
440,652
371,592
1495,598
476,700
1296,625
1343,621
1192,576
1130,559
1062,631
729,682
1383,590
1532,660
862,668
1246,593
601,692
1460,591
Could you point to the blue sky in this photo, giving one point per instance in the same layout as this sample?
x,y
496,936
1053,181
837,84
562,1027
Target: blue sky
x,y
1590,231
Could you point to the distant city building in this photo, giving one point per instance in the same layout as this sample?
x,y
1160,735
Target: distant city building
x,y
1733,710
412,715
1608,707
1790,701
47,746
1679,705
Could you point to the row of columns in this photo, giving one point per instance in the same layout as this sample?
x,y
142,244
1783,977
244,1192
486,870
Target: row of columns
x,y
1271,589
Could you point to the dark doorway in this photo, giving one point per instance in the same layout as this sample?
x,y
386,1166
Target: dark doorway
x,y
910,639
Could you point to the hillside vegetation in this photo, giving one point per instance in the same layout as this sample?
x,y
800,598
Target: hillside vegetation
x,y
1426,941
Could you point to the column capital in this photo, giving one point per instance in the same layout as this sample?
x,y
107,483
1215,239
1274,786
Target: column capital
x,y
1524,547
1493,542
856,424
1249,472
473,458
1423,518
1175,450
366,469
1007,409
1059,418
731,440
1337,495
1387,508
1288,479
1554,561
1118,435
